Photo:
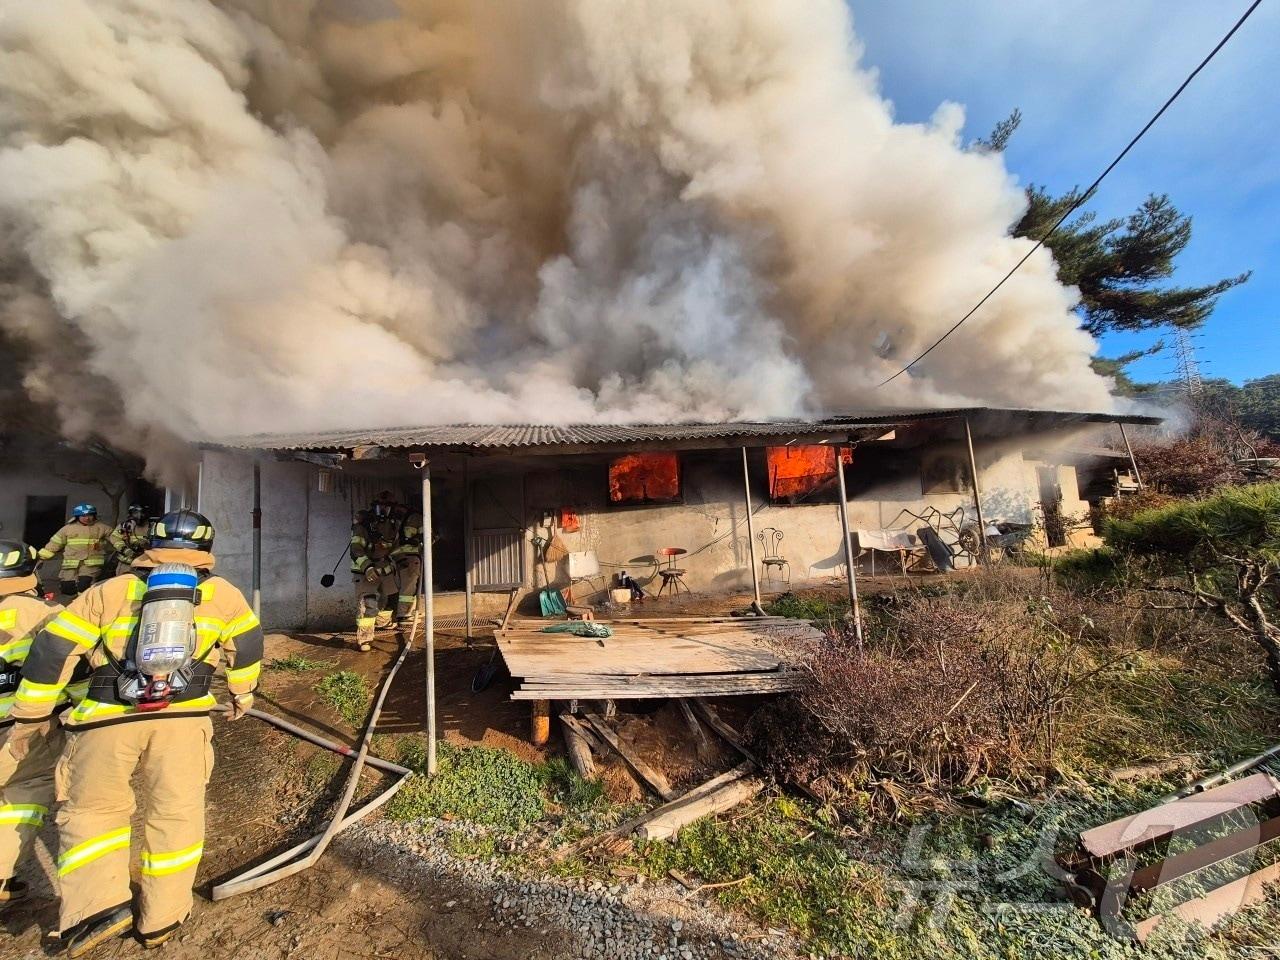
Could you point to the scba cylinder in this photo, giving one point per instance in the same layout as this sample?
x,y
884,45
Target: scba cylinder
x,y
167,622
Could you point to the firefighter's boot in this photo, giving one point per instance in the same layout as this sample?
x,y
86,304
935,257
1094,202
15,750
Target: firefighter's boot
x,y
98,930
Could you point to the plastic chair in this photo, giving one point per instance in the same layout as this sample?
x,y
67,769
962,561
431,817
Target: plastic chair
x,y
770,538
672,576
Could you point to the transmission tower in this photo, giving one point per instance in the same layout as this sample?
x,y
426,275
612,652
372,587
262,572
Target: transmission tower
x,y
1188,368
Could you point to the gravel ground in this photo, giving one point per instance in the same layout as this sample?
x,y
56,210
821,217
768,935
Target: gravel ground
x,y
630,919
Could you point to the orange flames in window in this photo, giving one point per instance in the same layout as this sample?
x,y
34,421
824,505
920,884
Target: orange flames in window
x,y
645,478
800,469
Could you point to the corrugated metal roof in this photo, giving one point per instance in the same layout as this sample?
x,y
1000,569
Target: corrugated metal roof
x,y
525,436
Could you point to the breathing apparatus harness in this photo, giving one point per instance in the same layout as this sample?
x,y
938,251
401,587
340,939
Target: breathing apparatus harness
x,y
160,663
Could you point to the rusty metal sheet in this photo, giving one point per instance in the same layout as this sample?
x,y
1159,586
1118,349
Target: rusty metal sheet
x,y
1168,818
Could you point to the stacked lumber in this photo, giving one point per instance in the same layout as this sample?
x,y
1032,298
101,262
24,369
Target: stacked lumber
x,y
662,657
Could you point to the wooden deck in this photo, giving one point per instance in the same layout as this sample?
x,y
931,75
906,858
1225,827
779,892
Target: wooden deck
x,y
660,657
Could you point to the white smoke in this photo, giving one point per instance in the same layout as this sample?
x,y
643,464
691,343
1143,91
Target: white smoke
x,y
261,216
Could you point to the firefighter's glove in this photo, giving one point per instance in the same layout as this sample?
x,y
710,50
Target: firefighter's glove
x,y
241,703
373,574
18,738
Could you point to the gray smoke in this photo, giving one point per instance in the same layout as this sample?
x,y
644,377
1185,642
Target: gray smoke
x,y
259,216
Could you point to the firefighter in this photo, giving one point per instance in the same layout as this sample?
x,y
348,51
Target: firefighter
x,y
82,541
157,725
407,555
131,539
374,536
28,751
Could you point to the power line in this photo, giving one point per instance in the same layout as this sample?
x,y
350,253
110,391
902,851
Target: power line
x,y
1087,193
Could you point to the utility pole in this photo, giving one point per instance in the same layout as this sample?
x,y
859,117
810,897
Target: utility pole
x,y
1188,368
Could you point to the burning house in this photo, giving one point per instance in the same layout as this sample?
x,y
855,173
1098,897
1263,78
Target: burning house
x,y
746,503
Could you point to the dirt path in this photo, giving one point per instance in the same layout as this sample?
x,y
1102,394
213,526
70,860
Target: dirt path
x,y
367,898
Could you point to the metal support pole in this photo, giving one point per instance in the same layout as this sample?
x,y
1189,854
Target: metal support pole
x,y
855,609
257,540
1129,450
467,558
756,604
977,491
428,613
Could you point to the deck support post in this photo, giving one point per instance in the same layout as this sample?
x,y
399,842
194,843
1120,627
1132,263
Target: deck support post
x,y
756,605
467,547
855,609
1133,463
977,494
428,614
256,581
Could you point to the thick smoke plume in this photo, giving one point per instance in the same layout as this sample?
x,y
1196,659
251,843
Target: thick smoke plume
x,y
244,216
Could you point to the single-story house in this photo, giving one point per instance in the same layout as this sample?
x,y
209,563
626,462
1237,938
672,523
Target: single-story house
x,y
612,496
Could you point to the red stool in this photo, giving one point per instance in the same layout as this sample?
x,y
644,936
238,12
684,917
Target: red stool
x,y
672,576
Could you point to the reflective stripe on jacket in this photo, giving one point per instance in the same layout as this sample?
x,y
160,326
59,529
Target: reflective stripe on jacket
x,y
130,540
106,615
410,540
22,616
80,545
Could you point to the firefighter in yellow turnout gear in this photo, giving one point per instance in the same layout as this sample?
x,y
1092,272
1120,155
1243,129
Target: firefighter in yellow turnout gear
x,y
28,752
386,545
156,724
83,545
131,539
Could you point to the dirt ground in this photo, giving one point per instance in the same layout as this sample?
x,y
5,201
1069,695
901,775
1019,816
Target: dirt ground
x,y
269,791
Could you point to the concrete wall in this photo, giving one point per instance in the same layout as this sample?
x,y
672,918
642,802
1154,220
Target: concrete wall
x,y
17,482
300,528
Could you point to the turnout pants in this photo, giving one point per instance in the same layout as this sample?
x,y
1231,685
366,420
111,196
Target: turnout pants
x,y
174,756
408,569
26,794
371,599
74,581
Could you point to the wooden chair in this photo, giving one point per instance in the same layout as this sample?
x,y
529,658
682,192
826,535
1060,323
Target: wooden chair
x,y
770,538
672,576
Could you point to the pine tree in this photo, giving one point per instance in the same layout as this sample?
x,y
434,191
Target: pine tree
x,y
1118,264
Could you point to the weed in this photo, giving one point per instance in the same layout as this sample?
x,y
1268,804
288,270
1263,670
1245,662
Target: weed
x,y
348,693
806,607
480,784
297,663
568,788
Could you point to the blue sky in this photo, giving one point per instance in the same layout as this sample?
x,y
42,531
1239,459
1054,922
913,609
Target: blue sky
x,y
1086,75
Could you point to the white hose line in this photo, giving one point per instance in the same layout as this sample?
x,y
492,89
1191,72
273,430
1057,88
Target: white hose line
x,y
263,875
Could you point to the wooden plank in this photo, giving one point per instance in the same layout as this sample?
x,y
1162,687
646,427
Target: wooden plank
x,y
654,778
1150,825
1218,904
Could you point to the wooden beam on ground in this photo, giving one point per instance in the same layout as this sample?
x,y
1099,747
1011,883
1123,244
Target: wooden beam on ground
x,y
726,732
592,741
700,738
579,751
654,778
670,822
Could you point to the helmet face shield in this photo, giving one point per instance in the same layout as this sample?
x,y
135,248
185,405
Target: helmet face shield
x,y
137,513
182,530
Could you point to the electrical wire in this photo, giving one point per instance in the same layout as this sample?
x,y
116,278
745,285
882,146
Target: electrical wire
x,y
1085,195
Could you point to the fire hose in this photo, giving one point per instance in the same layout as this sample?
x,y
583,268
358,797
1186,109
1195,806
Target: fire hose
x,y
303,855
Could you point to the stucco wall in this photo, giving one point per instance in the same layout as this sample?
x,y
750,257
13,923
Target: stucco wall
x,y
305,530
711,522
